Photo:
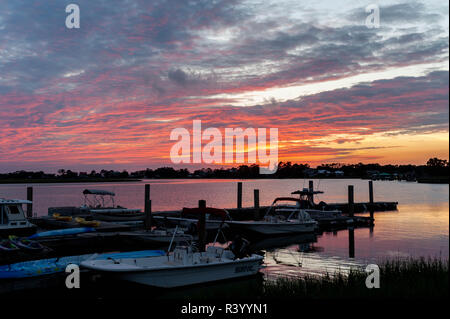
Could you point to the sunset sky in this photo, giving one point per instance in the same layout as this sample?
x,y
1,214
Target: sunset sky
x,y
108,94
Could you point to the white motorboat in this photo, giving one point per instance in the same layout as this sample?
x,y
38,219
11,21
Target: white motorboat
x,y
12,218
182,267
281,218
100,205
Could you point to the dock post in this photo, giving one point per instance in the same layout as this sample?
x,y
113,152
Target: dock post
x,y
239,195
202,225
147,193
147,208
30,198
351,201
311,189
148,215
371,206
351,242
256,203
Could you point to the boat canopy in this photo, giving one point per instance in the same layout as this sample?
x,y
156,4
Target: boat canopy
x,y
207,210
98,192
4,201
279,199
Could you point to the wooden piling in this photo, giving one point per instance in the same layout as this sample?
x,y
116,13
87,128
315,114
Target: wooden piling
x,y
256,203
351,201
147,193
202,226
147,208
30,198
311,189
371,206
148,215
351,242
239,195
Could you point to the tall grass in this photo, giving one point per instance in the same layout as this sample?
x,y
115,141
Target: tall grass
x,y
399,278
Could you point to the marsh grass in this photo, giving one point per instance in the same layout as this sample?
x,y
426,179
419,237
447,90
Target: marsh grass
x,y
399,278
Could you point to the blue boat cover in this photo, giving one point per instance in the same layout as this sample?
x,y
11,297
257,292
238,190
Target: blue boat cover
x,y
54,265
62,232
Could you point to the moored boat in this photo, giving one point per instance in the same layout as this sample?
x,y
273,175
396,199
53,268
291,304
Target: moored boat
x,y
182,267
12,218
281,218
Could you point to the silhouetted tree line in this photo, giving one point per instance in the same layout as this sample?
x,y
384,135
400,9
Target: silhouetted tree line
x,y
434,167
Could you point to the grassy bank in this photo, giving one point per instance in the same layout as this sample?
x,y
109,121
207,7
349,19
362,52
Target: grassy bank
x,y
410,278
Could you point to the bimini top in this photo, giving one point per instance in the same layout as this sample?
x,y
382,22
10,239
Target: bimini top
x,y
4,201
98,192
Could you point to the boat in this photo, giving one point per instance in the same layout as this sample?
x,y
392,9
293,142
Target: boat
x,y
12,218
50,266
182,267
316,211
189,219
99,205
7,246
25,243
284,216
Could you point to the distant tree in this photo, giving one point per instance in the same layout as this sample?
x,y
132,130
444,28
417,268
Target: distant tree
x,y
437,162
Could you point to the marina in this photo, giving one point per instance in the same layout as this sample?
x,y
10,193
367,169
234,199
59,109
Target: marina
x,y
290,251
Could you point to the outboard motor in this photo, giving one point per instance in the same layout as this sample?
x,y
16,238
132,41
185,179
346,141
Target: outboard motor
x,y
239,247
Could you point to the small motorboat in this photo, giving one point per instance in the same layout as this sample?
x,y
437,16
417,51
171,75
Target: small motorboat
x,y
99,205
281,218
184,266
189,218
12,218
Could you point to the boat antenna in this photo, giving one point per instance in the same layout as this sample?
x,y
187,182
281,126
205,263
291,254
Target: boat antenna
x,y
171,241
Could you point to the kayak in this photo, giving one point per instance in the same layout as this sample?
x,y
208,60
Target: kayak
x,y
6,245
63,232
50,266
26,243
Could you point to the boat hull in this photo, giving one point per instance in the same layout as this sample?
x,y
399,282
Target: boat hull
x,y
172,278
274,228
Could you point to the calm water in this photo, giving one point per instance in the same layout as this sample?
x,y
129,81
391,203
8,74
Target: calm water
x,y
420,227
